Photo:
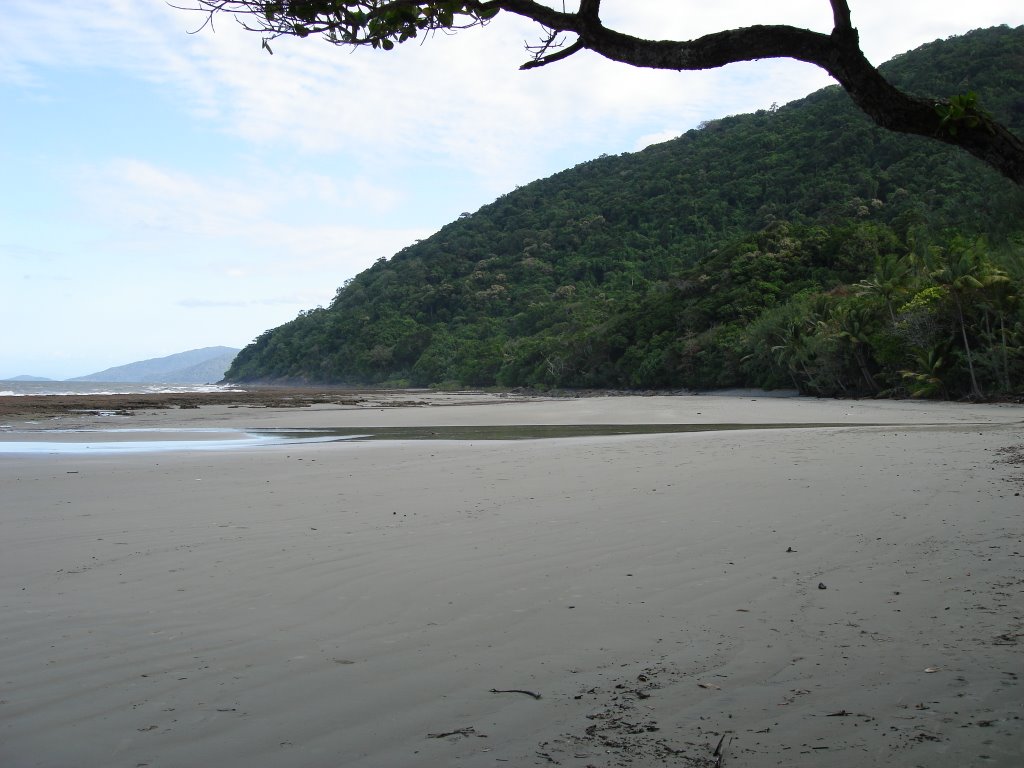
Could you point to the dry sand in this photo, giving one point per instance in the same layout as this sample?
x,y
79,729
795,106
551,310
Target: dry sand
x,y
366,603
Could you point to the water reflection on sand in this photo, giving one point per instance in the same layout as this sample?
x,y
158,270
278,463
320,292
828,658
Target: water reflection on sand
x,y
178,439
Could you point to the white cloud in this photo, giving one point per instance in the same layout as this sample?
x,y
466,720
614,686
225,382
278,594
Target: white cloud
x,y
655,138
455,101
287,301
689,19
266,223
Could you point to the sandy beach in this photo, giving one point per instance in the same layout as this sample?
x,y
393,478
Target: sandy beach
x,y
800,583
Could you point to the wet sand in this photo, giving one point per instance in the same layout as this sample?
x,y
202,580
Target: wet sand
x,y
846,595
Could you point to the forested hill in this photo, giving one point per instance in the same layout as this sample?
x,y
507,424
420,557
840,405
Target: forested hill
x,y
795,246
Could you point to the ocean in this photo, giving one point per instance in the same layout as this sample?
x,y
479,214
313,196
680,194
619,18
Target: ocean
x,y
22,388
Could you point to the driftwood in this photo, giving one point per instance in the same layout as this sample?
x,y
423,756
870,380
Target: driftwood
x,y
469,730
719,752
517,690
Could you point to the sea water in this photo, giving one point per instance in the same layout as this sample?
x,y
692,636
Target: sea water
x,y
105,441
23,388
81,441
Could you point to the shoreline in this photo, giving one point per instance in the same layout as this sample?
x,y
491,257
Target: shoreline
x,y
19,412
266,397
388,603
274,396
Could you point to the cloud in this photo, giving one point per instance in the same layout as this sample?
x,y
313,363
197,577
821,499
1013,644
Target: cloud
x,y
451,101
689,19
647,140
27,253
286,301
454,102
37,39
270,222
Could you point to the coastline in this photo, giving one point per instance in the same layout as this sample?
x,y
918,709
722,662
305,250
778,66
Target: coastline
x,y
338,406
338,603
48,405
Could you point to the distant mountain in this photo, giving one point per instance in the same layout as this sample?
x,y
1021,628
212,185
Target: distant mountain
x,y
28,378
197,366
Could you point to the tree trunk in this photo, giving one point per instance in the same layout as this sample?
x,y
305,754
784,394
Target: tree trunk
x,y
975,389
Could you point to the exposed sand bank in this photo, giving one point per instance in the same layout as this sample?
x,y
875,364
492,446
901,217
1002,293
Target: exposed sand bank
x,y
347,603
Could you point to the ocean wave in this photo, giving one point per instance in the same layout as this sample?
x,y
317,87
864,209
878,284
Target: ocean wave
x,y
27,388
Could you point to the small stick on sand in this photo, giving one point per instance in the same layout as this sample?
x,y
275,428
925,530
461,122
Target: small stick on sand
x,y
719,752
518,690
468,730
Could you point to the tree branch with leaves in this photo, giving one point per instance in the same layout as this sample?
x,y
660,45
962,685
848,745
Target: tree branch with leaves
x,y
956,120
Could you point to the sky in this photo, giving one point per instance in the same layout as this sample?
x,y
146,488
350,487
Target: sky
x,y
164,189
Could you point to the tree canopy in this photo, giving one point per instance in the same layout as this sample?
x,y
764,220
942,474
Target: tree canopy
x,y
956,119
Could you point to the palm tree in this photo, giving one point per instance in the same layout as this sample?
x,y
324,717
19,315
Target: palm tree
x,y
1002,297
852,324
891,279
926,380
964,271
791,351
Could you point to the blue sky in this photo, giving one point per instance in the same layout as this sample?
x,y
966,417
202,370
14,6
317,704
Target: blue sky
x,y
163,191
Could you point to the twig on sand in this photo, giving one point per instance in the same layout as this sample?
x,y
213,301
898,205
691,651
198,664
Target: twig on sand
x,y
469,730
719,752
517,690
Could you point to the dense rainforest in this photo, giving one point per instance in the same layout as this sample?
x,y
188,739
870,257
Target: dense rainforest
x,y
796,247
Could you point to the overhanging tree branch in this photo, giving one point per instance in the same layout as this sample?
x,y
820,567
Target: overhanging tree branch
x,y
383,23
541,57
841,14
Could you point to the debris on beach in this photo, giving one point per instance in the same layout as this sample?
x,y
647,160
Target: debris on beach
x,y
469,730
518,690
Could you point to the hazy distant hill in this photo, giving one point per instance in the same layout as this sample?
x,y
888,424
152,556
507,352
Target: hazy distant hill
x,y
28,378
197,366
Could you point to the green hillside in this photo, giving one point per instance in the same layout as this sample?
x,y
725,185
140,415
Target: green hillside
x,y
799,246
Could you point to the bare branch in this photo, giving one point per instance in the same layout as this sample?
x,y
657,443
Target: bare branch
x,y
552,40
543,60
542,14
